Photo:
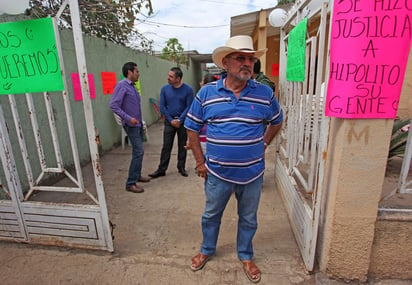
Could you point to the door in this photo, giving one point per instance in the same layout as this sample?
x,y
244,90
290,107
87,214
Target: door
x,y
46,195
303,140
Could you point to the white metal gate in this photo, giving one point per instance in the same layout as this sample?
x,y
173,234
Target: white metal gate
x,y
57,207
303,140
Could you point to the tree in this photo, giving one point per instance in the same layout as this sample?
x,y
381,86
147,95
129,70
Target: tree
x,y
111,20
173,51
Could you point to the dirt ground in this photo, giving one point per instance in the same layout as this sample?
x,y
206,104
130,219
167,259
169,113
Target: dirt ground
x,y
158,231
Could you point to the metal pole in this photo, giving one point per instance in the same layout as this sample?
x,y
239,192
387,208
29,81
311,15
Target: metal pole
x,y
88,113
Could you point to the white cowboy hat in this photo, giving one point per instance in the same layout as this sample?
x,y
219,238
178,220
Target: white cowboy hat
x,y
235,44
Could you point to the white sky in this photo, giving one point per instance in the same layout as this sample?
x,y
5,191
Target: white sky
x,y
187,20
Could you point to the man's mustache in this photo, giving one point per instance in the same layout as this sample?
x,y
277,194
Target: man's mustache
x,y
246,69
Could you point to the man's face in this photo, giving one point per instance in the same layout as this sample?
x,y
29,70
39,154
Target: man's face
x,y
239,65
134,75
171,78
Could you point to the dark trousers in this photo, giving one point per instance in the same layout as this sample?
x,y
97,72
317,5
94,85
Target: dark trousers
x,y
169,133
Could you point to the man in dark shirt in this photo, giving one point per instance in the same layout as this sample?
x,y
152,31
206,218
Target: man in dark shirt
x,y
175,100
260,77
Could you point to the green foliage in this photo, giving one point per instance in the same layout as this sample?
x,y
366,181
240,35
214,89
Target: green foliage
x,y
399,138
174,51
112,20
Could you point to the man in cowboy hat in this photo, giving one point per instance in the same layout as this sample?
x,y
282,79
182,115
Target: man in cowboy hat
x,y
234,111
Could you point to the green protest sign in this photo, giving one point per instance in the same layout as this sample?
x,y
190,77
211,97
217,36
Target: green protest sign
x,y
295,62
29,60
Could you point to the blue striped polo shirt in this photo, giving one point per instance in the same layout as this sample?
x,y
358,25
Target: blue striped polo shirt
x,y
235,128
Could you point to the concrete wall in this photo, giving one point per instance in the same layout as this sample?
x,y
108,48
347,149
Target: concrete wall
x,y
106,56
392,247
355,169
405,104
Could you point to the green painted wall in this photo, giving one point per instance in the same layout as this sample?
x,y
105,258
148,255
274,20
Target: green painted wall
x,y
106,56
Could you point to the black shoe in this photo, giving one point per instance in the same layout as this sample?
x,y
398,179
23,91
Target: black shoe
x,y
183,172
157,173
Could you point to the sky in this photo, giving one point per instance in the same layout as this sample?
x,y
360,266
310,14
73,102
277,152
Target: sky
x,y
200,25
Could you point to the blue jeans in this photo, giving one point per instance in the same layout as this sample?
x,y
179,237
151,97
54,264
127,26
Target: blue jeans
x,y
134,135
218,193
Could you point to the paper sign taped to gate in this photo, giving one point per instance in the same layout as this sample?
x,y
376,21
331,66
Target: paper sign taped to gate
x,y
29,60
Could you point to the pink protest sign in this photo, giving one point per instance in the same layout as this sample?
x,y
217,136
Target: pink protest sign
x,y
369,47
77,88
